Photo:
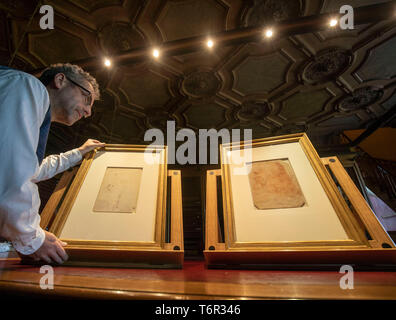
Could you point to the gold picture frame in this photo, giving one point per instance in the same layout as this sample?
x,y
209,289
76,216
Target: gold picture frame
x,y
226,245
157,243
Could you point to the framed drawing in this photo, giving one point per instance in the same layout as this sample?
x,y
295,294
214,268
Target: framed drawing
x,y
119,208
280,206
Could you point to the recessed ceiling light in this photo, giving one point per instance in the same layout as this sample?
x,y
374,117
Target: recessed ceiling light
x,y
333,22
269,33
107,62
156,53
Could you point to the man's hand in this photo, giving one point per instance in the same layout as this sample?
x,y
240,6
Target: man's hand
x,y
51,251
89,145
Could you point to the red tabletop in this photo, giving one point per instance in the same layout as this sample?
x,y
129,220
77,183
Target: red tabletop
x,y
196,281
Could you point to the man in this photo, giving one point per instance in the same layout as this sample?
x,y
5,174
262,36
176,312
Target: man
x,y
64,93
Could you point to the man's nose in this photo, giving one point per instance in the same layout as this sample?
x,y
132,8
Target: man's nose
x,y
87,111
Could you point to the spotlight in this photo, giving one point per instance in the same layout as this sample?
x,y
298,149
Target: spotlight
x,y
107,62
333,22
156,53
269,33
209,43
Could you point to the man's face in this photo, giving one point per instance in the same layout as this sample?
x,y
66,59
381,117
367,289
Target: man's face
x,y
73,101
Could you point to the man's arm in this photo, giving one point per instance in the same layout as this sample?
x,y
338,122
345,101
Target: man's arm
x,y
55,164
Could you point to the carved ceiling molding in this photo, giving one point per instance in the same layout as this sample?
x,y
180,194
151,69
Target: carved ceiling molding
x,y
116,37
264,12
56,46
377,63
184,19
257,72
253,110
93,5
201,84
157,118
145,86
327,65
280,86
360,98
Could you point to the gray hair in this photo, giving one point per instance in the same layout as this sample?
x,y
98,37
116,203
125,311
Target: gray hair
x,y
72,71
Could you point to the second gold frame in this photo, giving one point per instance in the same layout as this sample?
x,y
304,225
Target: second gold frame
x,y
291,236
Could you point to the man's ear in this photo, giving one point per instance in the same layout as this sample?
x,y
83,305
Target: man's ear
x,y
59,80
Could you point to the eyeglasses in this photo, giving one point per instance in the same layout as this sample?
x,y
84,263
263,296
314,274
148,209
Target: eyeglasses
x,y
88,95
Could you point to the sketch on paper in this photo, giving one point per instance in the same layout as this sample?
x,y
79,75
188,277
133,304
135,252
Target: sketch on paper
x,y
119,190
274,185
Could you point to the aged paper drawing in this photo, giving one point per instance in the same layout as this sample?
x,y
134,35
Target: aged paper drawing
x,y
274,185
119,190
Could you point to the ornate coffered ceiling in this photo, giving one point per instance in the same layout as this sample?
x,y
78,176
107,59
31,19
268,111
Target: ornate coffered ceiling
x,y
322,82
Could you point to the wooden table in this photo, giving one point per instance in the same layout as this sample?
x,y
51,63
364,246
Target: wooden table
x,y
194,281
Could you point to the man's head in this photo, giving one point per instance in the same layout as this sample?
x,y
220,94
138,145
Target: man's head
x,y
72,92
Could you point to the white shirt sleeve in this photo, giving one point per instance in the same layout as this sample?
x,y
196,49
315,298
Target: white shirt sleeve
x,y
54,164
23,104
